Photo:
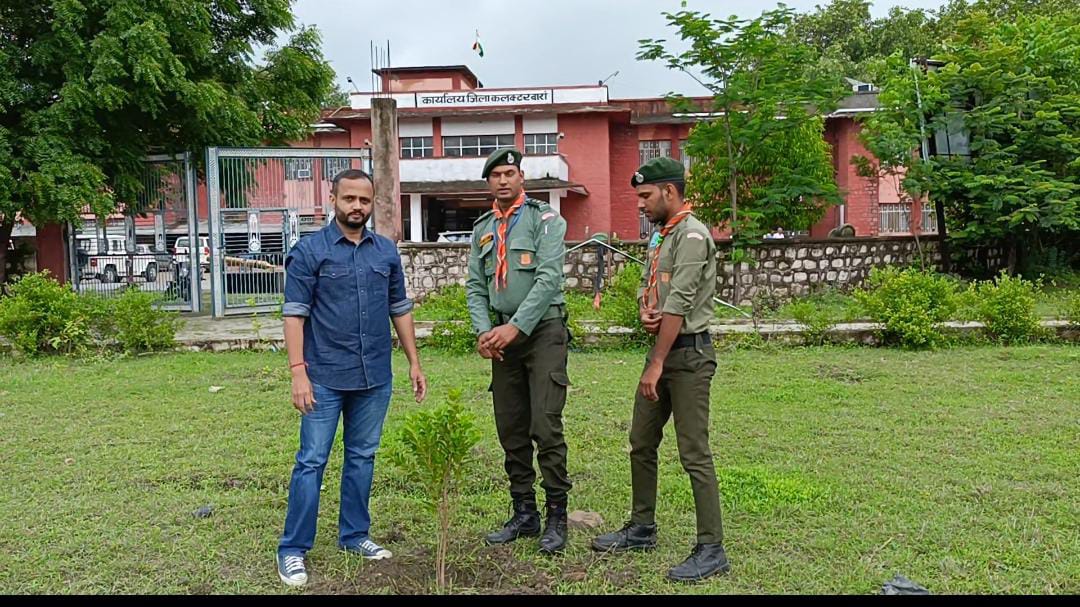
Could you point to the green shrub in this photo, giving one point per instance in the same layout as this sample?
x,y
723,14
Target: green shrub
x,y
816,320
447,303
840,305
911,303
1070,309
42,316
141,327
744,341
620,302
579,306
618,307
453,337
1007,306
765,304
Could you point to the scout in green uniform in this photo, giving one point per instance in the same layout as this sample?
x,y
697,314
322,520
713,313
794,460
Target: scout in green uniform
x,y
676,305
514,292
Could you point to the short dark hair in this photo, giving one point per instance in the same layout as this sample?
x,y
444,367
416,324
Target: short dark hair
x,y
680,186
350,174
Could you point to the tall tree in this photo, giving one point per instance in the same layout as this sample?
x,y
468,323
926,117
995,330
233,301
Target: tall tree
x,y
1012,89
844,33
762,160
89,87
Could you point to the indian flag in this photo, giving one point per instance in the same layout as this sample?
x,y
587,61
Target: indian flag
x,y
476,46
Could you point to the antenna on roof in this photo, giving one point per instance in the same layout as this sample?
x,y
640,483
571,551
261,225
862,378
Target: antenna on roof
x,y
380,61
602,82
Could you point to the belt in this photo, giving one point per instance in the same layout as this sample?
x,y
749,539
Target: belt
x,y
692,340
553,311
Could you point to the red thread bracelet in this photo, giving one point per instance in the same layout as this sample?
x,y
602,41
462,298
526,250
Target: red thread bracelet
x,y
295,365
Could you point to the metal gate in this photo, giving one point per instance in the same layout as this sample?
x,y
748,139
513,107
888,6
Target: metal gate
x,y
262,201
147,243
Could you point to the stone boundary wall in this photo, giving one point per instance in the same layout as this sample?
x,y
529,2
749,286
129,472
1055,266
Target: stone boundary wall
x,y
784,269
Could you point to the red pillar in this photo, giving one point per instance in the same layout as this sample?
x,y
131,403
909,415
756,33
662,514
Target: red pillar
x,y
52,251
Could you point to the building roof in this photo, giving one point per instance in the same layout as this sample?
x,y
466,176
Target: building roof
x,y
345,113
458,69
857,103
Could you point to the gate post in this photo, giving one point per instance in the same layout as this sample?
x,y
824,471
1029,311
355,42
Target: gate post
x,y
192,199
217,239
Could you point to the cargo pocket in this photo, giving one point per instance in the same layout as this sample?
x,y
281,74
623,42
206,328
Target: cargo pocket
x,y
555,399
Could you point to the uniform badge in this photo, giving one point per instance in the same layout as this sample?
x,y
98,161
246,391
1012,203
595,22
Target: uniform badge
x,y
665,276
638,178
486,238
510,159
695,235
526,259
546,216
655,240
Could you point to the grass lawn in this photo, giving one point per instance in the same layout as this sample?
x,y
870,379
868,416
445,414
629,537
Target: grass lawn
x,y
839,468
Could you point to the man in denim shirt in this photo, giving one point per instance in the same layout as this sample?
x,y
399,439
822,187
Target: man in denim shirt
x,y
344,285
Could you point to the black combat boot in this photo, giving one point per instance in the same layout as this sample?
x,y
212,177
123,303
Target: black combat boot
x,y
554,538
524,523
632,536
706,560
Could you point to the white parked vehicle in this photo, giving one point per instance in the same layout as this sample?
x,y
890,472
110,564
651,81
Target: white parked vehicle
x,y
459,236
112,266
182,249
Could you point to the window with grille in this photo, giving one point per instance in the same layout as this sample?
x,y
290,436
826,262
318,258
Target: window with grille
x,y
332,166
417,147
895,218
647,150
467,146
645,227
542,143
298,169
929,219
687,161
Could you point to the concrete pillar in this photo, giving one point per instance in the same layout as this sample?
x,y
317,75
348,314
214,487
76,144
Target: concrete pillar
x,y
416,219
386,167
556,200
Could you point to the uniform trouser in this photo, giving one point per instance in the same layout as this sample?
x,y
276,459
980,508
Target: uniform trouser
x,y
684,393
529,391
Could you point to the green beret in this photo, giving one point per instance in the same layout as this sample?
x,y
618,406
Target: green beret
x,y
658,170
502,157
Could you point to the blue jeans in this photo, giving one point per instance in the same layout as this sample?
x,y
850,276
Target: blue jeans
x,y
363,412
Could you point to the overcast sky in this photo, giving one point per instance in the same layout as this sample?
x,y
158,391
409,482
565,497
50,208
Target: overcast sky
x,y
538,43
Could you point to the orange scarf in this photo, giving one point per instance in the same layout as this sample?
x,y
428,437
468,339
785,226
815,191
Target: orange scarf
x,y
503,232
652,293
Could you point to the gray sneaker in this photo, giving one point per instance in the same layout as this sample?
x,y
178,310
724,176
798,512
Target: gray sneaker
x,y
291,570
369,550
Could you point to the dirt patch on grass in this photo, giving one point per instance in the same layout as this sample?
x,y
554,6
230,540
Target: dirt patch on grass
x,y
487,570
842,375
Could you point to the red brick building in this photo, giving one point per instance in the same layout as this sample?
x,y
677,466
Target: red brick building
x,y
581,148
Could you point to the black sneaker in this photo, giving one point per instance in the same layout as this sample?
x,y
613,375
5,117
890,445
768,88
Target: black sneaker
x,y
525,522
706,560
632,536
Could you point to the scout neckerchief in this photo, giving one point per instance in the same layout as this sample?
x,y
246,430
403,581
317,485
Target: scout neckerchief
x,y
501,234
651,293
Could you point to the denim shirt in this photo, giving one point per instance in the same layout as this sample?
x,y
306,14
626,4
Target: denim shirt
x,y
347,292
